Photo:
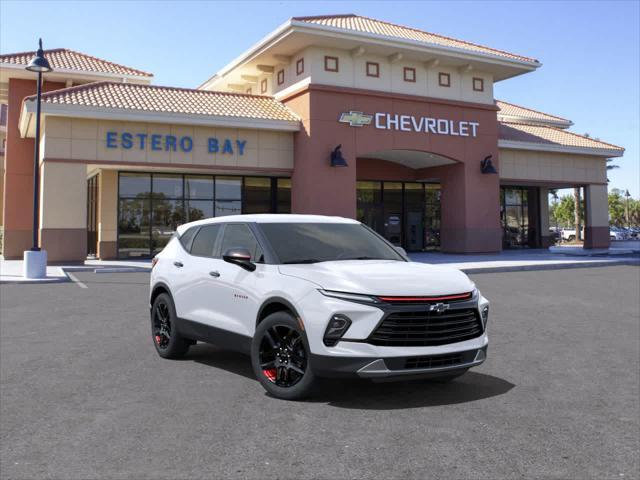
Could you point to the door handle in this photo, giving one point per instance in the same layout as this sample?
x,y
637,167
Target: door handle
x,y
178,264
214,274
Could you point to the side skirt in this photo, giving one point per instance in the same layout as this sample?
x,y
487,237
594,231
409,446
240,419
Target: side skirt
x,y
217,336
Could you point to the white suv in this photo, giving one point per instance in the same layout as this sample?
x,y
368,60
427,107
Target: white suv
x,y
311,296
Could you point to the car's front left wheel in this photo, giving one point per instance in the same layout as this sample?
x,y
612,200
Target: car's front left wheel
x,y
168,342
280,357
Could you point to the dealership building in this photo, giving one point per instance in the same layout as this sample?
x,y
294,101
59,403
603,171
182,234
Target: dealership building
x,y
334,115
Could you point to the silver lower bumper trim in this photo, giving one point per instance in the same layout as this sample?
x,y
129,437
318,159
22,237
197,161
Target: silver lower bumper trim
x,y
379,369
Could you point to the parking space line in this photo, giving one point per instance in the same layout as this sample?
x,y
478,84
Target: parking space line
x,y
75,280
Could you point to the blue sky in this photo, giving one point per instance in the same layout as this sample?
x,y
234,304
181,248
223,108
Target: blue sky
x,y
589,50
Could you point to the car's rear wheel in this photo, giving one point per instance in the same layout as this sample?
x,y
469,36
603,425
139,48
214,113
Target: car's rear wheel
x,y
168,342
280,357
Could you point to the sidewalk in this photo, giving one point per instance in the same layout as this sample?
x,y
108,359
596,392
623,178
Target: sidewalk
x,y
519,260
11,270
506,261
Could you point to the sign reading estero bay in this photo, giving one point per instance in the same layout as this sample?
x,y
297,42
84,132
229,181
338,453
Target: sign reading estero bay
x,y
411,123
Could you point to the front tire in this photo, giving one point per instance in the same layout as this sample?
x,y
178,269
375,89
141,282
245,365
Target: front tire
x,y
280,357
164,333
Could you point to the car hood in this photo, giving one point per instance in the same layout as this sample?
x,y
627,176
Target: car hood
x,y
382,277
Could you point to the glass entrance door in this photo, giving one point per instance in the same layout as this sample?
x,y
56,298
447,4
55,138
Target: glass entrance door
x,y
519,217
405,213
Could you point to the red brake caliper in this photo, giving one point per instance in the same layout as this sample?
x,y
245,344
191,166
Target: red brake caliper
x,y
270,374
158,339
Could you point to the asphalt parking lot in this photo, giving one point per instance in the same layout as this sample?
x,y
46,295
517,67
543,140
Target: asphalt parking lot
x,y
84,395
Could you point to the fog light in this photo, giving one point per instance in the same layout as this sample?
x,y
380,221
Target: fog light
x,y
338,324
485,315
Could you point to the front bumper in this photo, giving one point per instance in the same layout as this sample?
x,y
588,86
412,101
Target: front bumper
x,y
401,366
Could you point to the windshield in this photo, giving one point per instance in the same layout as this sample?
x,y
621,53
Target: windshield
x,y
322,242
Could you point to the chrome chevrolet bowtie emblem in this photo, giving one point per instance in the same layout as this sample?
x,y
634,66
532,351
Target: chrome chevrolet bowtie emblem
x,y
355,119
438,307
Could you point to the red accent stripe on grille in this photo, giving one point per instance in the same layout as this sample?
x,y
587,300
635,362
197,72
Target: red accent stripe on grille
x,y
459,296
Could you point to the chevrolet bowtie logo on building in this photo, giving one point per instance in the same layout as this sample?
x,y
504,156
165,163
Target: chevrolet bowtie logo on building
x,y
356,119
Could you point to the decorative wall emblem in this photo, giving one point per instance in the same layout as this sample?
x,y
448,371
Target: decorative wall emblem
x,y
356,119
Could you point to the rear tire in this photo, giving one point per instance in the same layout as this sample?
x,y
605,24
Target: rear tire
x,y
280,357
164,333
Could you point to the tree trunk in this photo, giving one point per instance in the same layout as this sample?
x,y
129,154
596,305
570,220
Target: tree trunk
x,y
576,209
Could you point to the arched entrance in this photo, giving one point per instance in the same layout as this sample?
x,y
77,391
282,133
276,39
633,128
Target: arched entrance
x,y
398,195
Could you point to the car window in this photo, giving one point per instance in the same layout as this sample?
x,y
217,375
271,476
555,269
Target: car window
x,y
241,236
186,237
205,241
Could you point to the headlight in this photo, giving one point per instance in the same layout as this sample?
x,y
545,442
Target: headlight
x,y
350,297
338,324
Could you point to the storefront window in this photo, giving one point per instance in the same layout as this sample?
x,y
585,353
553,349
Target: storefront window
x,y
228,196
369,207
134,222
283,195
257,195
152,206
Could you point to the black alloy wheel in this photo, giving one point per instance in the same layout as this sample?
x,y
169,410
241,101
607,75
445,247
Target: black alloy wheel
x,y
164,332
162,325
282,356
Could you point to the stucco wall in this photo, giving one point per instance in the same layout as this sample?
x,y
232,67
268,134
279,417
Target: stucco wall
x,y
85,140
551,167
352,73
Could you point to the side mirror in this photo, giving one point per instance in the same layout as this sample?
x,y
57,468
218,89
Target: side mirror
x,y
240,257
401,251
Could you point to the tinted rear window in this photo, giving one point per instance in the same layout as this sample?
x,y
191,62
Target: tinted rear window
x,y
205,241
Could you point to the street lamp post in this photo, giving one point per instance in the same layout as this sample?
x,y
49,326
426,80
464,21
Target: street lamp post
x,y
35,260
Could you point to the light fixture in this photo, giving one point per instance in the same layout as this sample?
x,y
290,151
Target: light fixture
x,y
486,166
337,160
39,62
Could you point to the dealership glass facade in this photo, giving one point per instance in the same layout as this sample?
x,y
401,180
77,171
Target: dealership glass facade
x,y
519,217
151,206
405,213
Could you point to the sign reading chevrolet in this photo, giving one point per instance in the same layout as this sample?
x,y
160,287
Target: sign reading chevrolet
x,y
411,123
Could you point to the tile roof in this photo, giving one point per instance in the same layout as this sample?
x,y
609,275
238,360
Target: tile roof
x,y
379,27
544,135
65,59
152,98
512,110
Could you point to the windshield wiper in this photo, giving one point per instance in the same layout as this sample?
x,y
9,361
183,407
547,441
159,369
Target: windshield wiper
x,y
302,260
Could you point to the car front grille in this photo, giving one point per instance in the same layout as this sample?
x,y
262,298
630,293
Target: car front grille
x,y
427,329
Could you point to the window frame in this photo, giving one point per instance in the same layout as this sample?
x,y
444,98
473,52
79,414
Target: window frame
x,y
407,70
327,59
480,81
263,85
377,67
441,77
300,66
280,76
